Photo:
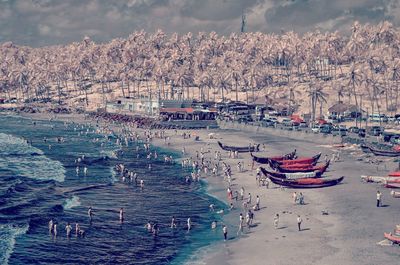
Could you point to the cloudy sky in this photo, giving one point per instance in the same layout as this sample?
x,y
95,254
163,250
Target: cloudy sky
x,y
47,22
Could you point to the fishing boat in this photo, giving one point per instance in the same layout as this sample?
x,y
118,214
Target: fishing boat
x,y
380,179
304,169
365,148
381,152
264,160
301,161
306,183
291,176
242,149
392,238
392,185
394,174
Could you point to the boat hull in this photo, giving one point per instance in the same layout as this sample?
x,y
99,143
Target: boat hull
x,y
308,183
239,149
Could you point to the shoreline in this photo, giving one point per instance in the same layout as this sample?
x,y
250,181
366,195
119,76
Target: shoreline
x,y
330,238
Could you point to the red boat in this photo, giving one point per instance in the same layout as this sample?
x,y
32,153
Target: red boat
x,y
392,180
303,161
392,185
394,174
390,237
302,168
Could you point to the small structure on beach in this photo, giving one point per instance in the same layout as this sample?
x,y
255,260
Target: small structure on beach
x,y
144,105
188,114
345,110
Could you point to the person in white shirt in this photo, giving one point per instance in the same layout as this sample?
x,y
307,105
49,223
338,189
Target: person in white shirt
x,y
225,231
299,221
68,228
378,199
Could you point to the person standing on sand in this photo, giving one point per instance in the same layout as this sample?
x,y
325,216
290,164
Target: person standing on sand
x,y
257,203
378,199
299,221
225,231
240,230
249,199
294,197
276,221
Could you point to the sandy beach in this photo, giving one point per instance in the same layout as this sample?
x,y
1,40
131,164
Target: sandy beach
x,y
347,235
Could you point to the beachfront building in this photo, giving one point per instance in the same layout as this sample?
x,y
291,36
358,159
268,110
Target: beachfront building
x,y
188,114
342,111
167,109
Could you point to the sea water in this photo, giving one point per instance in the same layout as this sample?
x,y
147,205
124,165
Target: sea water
x,y
38,182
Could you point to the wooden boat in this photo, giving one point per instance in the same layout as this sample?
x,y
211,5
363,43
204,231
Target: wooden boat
x,y
291,176
380,179
394,174
381,152
292,169
242,149
264,160
395,194
365,148
306,160
306,183
392,185
393,238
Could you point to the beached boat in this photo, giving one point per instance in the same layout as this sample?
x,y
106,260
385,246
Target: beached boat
x,y
393,238
395,194
306,183
394,174
264,160
291,176
381,179
381,152
304,169
365,148
392,185
306,160
241,149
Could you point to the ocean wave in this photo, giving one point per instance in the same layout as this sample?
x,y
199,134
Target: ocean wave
x,y
8,235
72,202
22,159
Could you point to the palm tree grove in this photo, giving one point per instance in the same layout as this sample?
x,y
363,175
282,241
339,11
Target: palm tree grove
x,y
361,68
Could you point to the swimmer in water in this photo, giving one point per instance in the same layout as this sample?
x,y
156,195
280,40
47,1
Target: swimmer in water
x,y
90,214
51,223
77,228
173,222
55,230
68,228
121,215
141,183
148,226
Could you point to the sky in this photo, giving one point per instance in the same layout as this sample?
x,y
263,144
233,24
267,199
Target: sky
x,y
49,22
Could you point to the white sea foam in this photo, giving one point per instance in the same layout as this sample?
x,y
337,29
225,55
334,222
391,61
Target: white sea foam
x,y
8,235
25,160
72,202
